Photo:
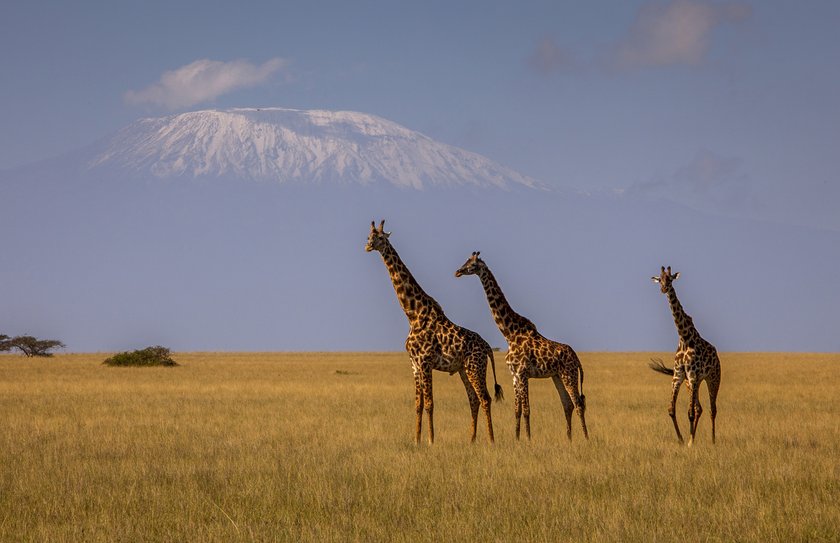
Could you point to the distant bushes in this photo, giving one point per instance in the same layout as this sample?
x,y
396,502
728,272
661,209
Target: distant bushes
x,y
150,356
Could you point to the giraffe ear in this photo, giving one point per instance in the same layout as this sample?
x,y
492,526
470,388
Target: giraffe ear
x,y
675,276
387,234
655,279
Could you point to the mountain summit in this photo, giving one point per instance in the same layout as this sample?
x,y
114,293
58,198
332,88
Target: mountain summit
x,y
288,145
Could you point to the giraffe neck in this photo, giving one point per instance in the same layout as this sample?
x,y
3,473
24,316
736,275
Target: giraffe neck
x,y
510,322
685,326
413,299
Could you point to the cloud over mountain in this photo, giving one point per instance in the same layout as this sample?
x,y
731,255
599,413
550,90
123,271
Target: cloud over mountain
x,y
202,81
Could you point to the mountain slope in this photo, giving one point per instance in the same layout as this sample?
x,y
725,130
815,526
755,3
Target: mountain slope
x,y
287,145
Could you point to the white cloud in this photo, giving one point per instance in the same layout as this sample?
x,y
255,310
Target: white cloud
x,y
548,57
202,81
675,32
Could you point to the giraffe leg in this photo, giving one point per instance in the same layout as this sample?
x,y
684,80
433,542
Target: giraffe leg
x,y
580,406
672,409
526,407
695,409
418,406
485,405
473,399
478,379
428,402
568,406
714,384
518,400
690,419
690,415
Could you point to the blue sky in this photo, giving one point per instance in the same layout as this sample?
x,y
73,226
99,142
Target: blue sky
x,y
731,110
731,106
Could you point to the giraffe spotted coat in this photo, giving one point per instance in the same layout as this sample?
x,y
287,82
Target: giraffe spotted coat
x,y
696,360
530,354
436,343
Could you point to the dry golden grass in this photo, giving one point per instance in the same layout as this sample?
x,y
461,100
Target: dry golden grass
x,y
319,447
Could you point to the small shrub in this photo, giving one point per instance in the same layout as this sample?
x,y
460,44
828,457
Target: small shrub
x,y
150,356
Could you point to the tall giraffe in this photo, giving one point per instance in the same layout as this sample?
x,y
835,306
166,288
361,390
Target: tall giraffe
x,y
436,343
696,360
530,355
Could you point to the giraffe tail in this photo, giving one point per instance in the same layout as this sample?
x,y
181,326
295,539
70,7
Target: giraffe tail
x,y
657,365
497,389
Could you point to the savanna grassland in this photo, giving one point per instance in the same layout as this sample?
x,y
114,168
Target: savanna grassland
x,y
319,447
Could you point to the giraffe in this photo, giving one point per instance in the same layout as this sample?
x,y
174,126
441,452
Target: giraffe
x,y
696,360
530,355
436,343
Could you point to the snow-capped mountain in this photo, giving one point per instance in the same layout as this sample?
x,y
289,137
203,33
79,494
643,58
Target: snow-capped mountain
x,y
287,145
110,259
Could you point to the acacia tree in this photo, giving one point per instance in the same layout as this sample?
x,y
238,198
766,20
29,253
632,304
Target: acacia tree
x,y
30,346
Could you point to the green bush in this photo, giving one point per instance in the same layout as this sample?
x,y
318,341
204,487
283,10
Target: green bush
x,y
150,356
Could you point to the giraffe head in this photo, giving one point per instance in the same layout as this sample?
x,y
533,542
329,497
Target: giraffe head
x,y
665,278
378,238
472,266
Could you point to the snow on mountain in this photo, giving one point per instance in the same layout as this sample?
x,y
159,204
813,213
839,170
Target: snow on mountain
x,y
287,145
